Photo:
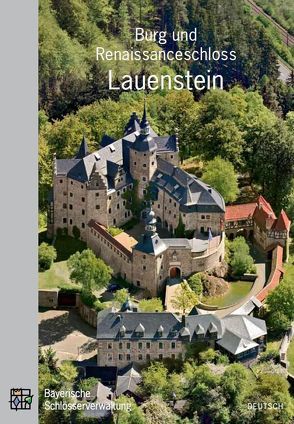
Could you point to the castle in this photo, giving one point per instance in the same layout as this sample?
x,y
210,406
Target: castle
x,y
90,194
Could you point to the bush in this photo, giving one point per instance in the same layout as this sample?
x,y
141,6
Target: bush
x,y
114,231
47,255
88,298
270,355
239,257
98,306
76,232
195,282
69,290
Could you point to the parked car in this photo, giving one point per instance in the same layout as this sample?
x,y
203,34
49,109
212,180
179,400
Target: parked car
x,y
112,287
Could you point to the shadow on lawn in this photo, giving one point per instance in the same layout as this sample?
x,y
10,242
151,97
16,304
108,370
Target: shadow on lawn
x,y
65,246
56,329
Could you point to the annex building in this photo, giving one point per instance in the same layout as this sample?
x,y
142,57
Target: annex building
x,y
90,193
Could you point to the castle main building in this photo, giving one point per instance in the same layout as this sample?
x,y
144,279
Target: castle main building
x,y
90,191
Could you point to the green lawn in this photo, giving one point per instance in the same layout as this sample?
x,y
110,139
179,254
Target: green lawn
x,y
290,357
58,274
237,290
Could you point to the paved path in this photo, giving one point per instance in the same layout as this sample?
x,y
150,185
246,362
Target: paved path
x,y
68,335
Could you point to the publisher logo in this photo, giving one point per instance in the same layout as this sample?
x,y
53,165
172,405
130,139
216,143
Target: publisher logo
x,y
20,399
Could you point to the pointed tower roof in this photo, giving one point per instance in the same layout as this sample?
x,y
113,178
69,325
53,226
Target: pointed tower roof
x,y
133,124
144,142
283,222
83,149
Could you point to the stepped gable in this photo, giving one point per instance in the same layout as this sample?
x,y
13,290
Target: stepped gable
x,y
264,215
186,189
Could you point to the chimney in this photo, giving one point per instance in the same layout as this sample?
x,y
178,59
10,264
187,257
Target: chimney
x,y
184,320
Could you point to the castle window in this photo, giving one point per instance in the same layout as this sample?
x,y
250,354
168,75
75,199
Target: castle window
x,y
160,345
138,283
124,190
109,357
169,212
64,193
71,182
120,357
160,356
114,221
148,344
83,225
128,345
97,184
140,357
70,221
117,206
170,201
184,215
120,345
97,206
144,256
175,215
124,203
144,267
109,346
128,357
207,216
64,205
144,191
140,345
70,194
152,163
70,207
135,163
173,345
118,193
82,186
158,206
171,156
109,197
83,211
144,154
143,178
175,205
64,220
202,230
126,214
97,194
144,165
61,181
129,213
109,210
83,199
202,216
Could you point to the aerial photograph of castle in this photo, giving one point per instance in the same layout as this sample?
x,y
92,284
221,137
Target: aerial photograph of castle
x,y
166,260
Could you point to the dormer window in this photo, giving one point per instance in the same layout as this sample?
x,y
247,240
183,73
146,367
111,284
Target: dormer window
x,y
160,331
140,330
112,148
122,331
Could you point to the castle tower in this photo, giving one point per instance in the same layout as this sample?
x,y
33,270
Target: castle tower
x,y
143,156
147,257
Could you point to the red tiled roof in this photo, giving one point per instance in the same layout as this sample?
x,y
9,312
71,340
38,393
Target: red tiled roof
x,y
236,212
263,215
283,222
102,230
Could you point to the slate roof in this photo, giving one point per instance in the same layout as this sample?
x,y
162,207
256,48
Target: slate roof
x,y
235,333
128,380
151,244
235,344
109,327
190,192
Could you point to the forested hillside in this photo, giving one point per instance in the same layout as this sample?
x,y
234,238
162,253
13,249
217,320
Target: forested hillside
x,y
70,30
282,11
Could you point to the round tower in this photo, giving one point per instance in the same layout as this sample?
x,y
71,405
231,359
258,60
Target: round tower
x,y
143,156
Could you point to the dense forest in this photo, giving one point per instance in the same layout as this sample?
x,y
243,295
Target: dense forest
x,y
70,30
